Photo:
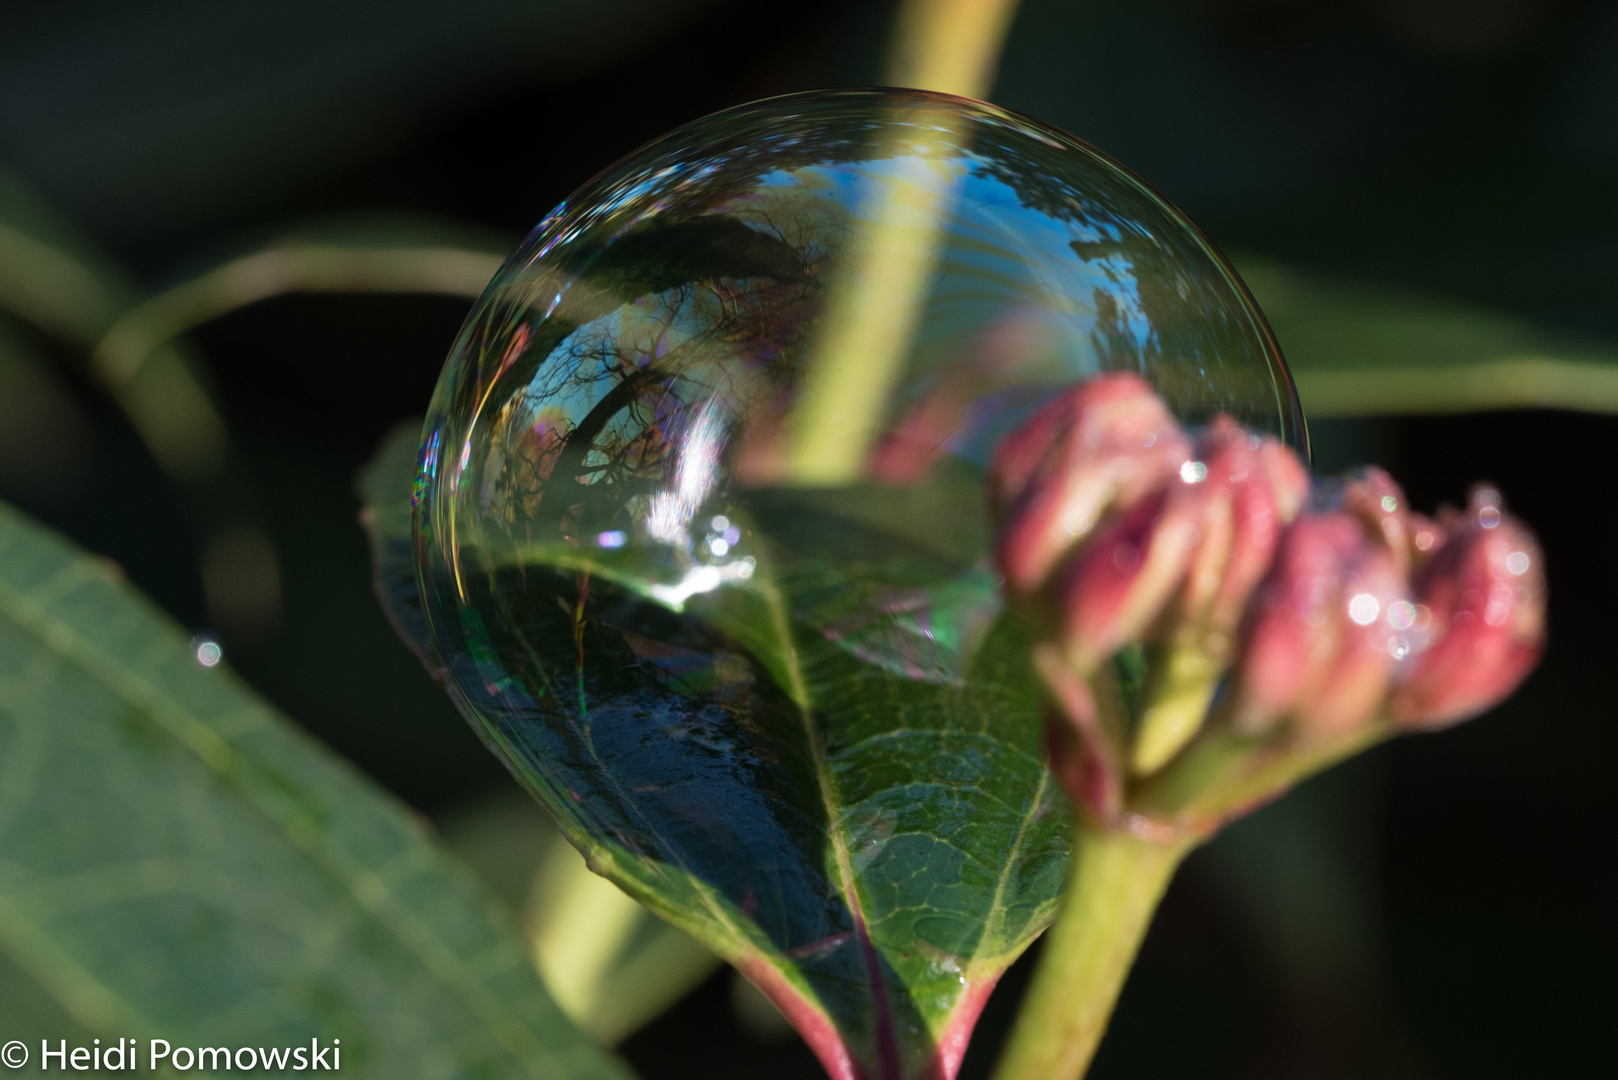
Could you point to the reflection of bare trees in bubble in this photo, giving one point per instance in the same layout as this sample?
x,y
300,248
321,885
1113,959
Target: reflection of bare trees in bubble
x,y
592,435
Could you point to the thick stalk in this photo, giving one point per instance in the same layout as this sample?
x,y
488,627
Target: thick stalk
x,y
1115,884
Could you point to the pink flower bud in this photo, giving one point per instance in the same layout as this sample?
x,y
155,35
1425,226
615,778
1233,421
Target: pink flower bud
x,y
1244,490
1375,597
1181,563
1234,497
1482,593
1376,499
1118,582
1324,631
1102,444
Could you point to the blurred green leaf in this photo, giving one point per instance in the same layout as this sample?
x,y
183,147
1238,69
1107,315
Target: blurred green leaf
x,y
177,861
1359,349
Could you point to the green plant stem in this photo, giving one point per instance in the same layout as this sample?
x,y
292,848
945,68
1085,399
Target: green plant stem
x,y
1115,884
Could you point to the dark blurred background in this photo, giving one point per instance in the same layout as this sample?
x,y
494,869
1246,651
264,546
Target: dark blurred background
x,y
1443,907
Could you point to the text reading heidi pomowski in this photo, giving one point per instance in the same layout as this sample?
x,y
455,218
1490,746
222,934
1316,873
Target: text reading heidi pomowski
x,y
125,1056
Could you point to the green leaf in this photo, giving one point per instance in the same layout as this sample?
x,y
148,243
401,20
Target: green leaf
x,y
177,861
833,776
1360,349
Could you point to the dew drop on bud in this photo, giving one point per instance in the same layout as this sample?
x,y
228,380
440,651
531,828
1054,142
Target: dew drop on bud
x,y
1401,615
1363,608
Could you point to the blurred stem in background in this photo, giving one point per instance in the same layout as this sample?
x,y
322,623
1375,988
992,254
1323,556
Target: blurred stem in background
x,y
59,284
950,46
56,280
390,260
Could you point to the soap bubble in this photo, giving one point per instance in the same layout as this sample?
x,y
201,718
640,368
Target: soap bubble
x,y
730,406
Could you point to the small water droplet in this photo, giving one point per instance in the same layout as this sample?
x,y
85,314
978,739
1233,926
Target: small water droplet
x,y
207,650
